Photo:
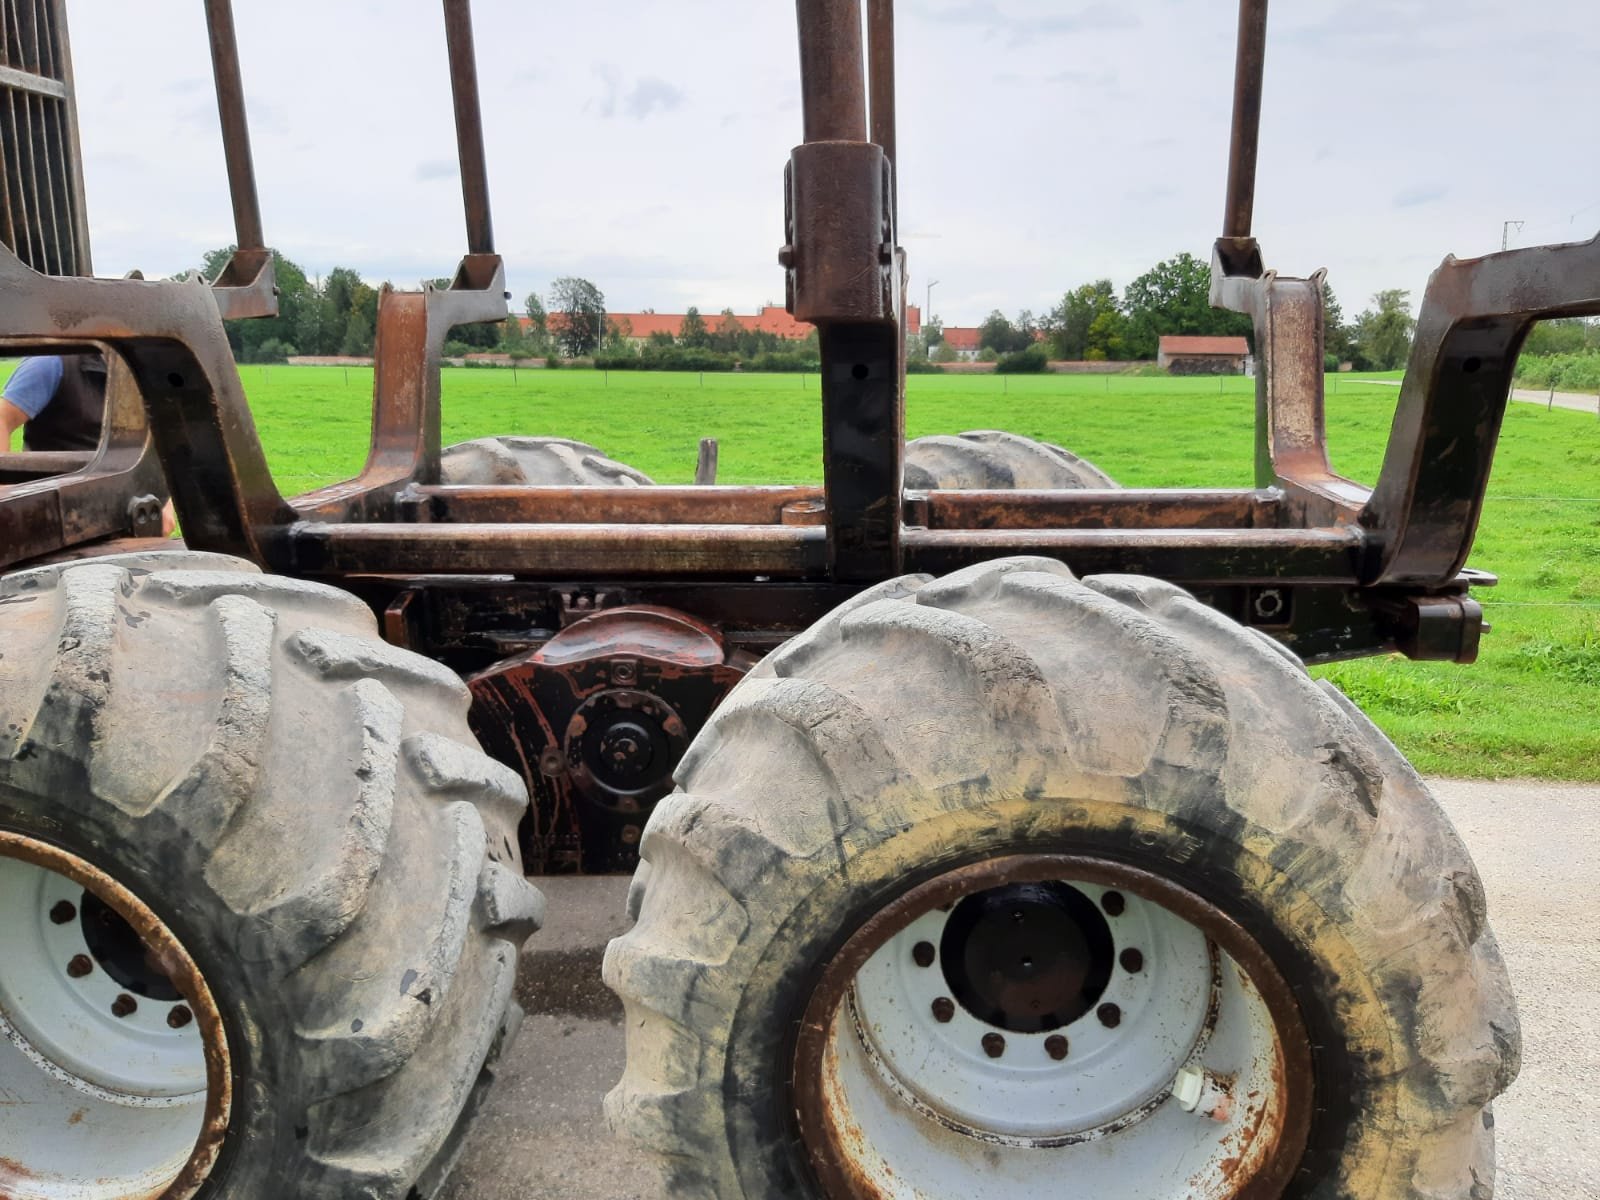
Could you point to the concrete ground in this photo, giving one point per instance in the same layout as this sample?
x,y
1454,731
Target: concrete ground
x,y
1537,846
1587,402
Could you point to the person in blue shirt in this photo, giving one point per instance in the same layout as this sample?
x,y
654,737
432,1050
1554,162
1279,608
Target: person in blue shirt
x,y
59,403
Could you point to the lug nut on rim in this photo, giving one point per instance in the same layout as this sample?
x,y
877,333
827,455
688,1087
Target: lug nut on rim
x,y
179,1015
994,1045
79,965
1056,1046
124,1006
1132,960
944,1009
63,911
923,954
1110,1015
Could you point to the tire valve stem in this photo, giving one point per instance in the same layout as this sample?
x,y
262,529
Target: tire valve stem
x,y
1198,1090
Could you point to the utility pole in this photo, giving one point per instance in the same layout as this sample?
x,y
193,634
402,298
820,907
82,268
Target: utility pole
x,y
1505,233
927,304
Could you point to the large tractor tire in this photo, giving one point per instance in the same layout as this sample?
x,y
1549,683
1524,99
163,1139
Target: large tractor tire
x,y
261,890
1015,884
994,459
535,461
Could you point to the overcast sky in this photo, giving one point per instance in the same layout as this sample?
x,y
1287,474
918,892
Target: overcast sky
x,y
641,144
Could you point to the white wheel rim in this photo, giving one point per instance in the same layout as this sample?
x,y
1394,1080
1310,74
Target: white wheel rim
x,y
1183,1096
1023,1096
114,1090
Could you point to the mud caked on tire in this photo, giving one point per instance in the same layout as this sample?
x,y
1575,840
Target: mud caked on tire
x,y
994,459
1005,879
534,461
302,813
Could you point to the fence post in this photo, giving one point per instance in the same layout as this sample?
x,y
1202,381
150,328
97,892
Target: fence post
x,y
1552,401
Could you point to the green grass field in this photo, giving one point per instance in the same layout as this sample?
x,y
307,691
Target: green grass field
x,y
1529,707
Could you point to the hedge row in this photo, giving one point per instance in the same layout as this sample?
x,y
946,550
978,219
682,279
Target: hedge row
x,y
1573,372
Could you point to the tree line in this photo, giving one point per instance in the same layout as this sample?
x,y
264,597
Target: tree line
x,y
337,315
1092,323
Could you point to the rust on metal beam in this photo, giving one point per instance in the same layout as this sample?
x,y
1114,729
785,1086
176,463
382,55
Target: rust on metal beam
x,y
881,88
832,89
1130,509
235,127
469,125
666,505
1249,71
562,551
1215,556
1475,314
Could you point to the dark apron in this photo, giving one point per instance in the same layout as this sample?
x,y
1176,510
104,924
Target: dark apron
x,y
72,419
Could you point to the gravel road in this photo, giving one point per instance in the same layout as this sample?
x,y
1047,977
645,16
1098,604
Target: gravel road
x,y
1537,845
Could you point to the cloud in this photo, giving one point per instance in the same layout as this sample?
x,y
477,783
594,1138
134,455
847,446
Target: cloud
x,y
651,95
1422,193
1021,29
436,168
1152,194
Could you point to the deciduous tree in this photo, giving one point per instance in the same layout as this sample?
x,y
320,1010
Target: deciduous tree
x,y
1383,332
999,334
1173,297
583,310
1069,322
1337,343
693,332
725,340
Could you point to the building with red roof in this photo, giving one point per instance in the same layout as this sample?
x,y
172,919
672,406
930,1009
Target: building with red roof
x,y
1184,355
965,342
638,327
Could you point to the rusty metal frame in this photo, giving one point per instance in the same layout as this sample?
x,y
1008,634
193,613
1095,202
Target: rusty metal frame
x,y
42,209
170,338
1290,555
247,285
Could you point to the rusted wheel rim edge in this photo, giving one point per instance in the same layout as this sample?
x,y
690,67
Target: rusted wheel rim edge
x,y
831,1166
186,977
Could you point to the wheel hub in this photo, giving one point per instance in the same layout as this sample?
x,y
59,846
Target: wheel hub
x,y
1030,957
1049,1005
